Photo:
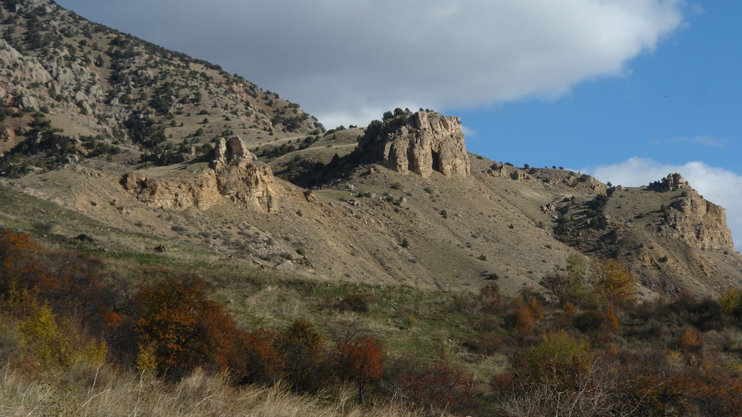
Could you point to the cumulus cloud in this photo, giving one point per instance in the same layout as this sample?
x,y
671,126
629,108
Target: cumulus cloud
x,y
344,60
718,185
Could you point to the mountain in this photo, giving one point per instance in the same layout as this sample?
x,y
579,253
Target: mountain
x,y
140,148
83,90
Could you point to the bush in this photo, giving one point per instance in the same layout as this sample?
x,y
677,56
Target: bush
x,y
300,349
55,346
359,359
612,281
730,300
588,321
355,302
253,359
557,359
436,386
186,329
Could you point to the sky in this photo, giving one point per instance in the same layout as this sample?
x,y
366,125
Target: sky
x,y
625,90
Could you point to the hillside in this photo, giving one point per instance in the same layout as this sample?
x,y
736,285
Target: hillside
x,y
80,90
173,238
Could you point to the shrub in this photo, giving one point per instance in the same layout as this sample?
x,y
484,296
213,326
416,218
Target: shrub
x,y
355,302
588,321
300,349
689,339
610,323
612,281
19,261
186,329
437,386
520,318
253,359
55,346
358,359
564,287
730,300
557,359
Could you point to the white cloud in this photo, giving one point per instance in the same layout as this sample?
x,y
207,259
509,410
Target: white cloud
x,y
350,58
469,133
717,185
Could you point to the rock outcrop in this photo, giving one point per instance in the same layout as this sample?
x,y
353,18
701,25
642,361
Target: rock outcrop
x,y
421,143
695,220
235,174
670,183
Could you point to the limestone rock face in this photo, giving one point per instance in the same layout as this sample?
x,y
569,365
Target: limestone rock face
x,y
699,222
421,143
691,218
234,174
232,150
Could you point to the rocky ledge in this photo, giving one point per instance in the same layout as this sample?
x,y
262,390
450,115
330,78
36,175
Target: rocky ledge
x,y
235,174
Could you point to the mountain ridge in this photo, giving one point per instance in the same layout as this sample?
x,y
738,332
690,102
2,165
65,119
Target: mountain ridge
x,y
131,135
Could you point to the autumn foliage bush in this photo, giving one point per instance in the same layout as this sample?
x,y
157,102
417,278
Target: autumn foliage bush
x,y
185,328
436,386
300,349
595,352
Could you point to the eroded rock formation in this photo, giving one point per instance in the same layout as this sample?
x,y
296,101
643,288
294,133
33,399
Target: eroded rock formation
x,y
696,220
235,173
421,143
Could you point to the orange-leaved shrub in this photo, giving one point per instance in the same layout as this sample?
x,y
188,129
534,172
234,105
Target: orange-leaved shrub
x,y
437,386
185,328
358,359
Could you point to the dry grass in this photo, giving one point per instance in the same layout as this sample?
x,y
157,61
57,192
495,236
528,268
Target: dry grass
x,y
90,392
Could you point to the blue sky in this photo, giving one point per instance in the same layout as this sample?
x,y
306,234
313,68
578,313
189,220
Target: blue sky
x,y
680,103
626,90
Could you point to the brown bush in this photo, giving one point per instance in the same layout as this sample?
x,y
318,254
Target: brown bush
x,y
301,351
186,329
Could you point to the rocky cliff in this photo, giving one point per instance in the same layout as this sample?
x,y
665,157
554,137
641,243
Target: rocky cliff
x,y
235,174
698,222
420,143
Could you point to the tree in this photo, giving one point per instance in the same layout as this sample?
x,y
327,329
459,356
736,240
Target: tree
x,y
185,327
612,281
300,349
357,356
19,261
254,360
